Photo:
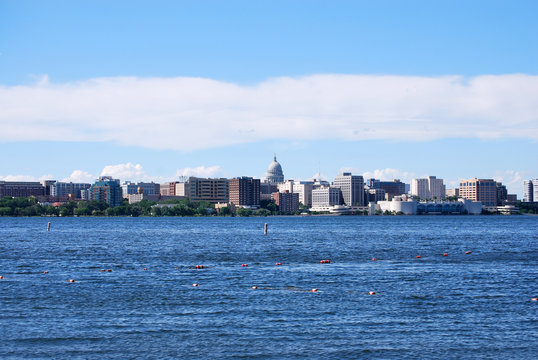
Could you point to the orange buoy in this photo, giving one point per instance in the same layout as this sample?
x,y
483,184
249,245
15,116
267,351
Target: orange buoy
x,y
144,269
102,270
176,268
194,284
278,264
45,272
108,270
534,299
325,262
374,259
371,293
1,277
418,256
468,252
314,290
244,265
445,254
254,287
199,266
71,280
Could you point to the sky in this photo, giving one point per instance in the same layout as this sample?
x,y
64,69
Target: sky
x,y
151,91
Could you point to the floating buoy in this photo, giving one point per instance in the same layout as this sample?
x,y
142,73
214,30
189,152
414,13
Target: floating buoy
x,y
1,277
371,293
176,268
534,299
45,272
374,259
102,270
254,287
278,264
108,270
325,262
445,254
468,252
144,269
71,280
244,265
314,290
418,256
199,266
194,284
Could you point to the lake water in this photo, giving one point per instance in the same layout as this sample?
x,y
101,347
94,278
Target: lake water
x,y
474,305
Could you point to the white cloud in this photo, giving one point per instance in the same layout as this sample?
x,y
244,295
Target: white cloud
x,y
126,171
200,171
80,176
194,113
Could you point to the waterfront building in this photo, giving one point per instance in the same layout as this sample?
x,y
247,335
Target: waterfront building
x,y
286,201
452,192
68,189
375,195
530,190
406,206
108,190
326,196
208,189
352,188
304,189
21,188
428,188
392,188
502,194
274,172
244,191
267,189
483,190
129,188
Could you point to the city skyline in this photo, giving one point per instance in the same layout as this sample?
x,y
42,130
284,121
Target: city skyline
x,y
150,93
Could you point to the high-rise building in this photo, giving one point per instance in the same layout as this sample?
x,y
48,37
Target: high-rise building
x,y
65,189
326,196
352,187
483,190
206,189
129,188
304,189
274,172
530,190
244,191
392,188
428,188
287,202
21,188
108,190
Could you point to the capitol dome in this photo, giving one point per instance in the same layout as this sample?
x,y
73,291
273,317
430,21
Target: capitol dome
x,y
274,172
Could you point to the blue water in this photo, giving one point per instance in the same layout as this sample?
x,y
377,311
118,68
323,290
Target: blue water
x,y
457,306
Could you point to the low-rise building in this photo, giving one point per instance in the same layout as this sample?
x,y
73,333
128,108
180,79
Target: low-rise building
x,y
21,188
326,196
287,202
244,191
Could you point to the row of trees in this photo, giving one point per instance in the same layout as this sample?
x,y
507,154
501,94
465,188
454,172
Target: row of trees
x,y
22,206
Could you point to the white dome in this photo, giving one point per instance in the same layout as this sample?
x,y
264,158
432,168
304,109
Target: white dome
x,y
274,172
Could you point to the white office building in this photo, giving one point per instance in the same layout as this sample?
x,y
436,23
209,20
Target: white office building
x,y
352,187
325,196
428,188
530,190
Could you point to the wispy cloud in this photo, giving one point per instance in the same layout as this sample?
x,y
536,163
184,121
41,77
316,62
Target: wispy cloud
x,y
194,113
26,178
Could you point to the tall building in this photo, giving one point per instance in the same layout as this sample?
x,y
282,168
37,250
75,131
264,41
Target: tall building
x,y
326,196
108,190
304,189
502,194
392,188
428,188
64,189
287,202
530,190
211,190
21,188
244,191
130,188
483,190
274,172
352,187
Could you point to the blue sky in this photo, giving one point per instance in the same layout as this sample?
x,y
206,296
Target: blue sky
x,y
154,90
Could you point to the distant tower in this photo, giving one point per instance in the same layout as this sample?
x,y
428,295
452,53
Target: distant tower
x,y
274,172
